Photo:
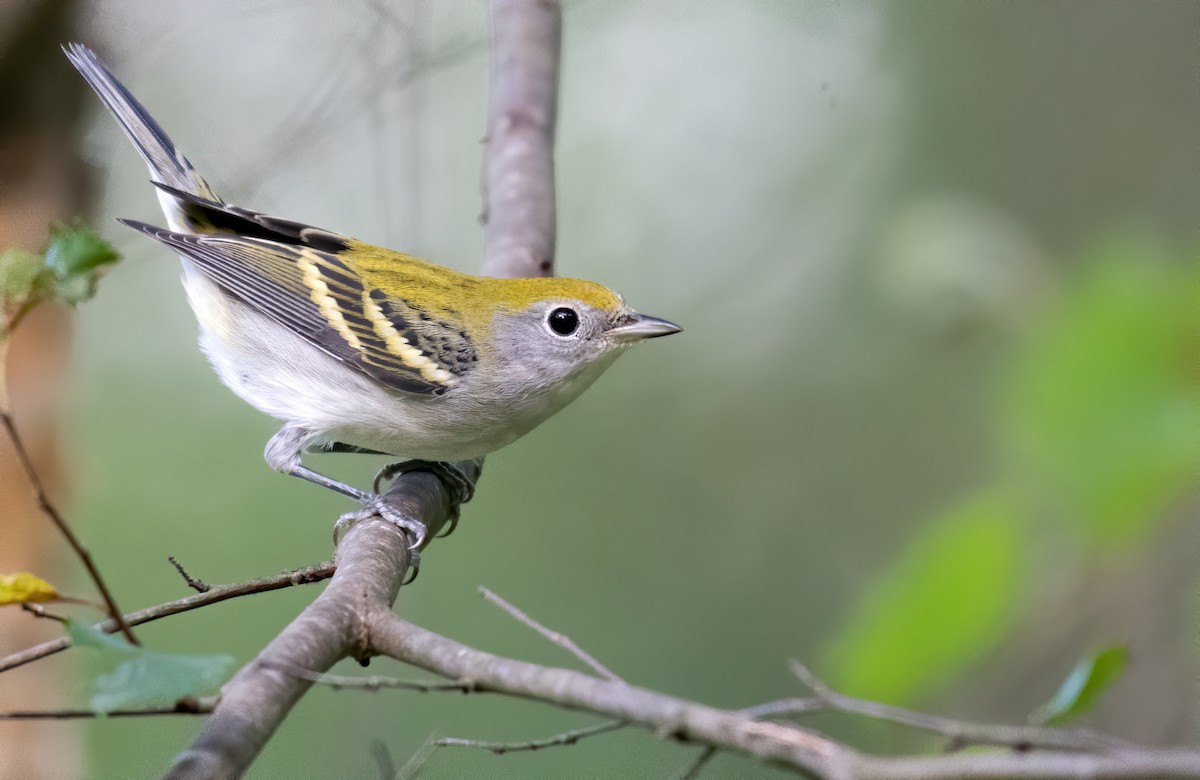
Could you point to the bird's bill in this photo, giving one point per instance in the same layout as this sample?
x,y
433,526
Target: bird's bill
x,y
643,326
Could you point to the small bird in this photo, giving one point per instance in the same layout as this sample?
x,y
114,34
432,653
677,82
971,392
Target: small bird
x,y
357,348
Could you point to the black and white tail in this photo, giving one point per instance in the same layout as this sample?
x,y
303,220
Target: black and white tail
x,y
167,165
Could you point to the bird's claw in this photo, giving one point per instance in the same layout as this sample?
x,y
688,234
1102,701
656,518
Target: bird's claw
x,y
377,506
460,486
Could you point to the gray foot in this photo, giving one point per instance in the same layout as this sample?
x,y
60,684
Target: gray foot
x,y
459,485
376,505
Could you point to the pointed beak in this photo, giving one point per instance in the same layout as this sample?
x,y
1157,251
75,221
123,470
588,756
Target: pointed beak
x,y
642,326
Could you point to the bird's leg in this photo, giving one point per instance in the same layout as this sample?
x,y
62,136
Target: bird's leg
x,y
283,454
318,478
458,484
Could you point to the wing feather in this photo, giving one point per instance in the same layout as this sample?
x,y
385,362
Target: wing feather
x,y
315,295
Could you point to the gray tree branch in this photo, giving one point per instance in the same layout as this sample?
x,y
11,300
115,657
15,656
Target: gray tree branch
x,y
372,561
783,745
519,201
666,716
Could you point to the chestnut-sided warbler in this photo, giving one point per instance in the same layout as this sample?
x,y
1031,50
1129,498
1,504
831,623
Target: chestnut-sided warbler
x,y
363,349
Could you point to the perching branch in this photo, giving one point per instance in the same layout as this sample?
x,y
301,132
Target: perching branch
x,y
372,561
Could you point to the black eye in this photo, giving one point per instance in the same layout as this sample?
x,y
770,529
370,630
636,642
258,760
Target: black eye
x,y
563,321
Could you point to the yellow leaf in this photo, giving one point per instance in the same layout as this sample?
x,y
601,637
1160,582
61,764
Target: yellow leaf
x,y
25,588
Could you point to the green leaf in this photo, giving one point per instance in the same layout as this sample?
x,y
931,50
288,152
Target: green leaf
x,y
145,678
950,598
23,277
1101,418
1083,686
78,258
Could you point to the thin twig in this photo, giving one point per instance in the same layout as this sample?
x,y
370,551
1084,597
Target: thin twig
x,y
22,311
182,707
961,733
383,760
565,738
340,682
562,640
287,579
416,762
48,508
770,709
200,586
782,708
693,769
39,610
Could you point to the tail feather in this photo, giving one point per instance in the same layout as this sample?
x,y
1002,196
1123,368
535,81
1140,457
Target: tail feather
x,y
167,165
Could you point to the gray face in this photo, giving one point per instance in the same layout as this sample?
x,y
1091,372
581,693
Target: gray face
x,y
553,341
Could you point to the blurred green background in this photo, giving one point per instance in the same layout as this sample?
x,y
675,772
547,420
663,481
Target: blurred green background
x,y
931,427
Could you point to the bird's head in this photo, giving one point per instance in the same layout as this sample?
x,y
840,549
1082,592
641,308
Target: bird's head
x,y
557,329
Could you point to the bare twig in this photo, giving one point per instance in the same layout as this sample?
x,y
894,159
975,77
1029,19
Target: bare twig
x,y
383,760
287,579
51,511
782,708
22,311
799,749
200,586
416,762
339,682
565,738
667,716
181,707
39,610
562,640
960,733
694,769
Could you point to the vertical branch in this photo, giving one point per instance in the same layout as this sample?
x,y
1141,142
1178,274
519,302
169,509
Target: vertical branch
x,y
518,215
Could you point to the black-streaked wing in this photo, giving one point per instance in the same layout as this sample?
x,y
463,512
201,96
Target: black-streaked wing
x,y
214,217
315,295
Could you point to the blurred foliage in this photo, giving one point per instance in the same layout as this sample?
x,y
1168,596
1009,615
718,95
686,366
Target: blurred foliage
x,y
950,597
1101,418
138,677
67,271
1100,424
1078,693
